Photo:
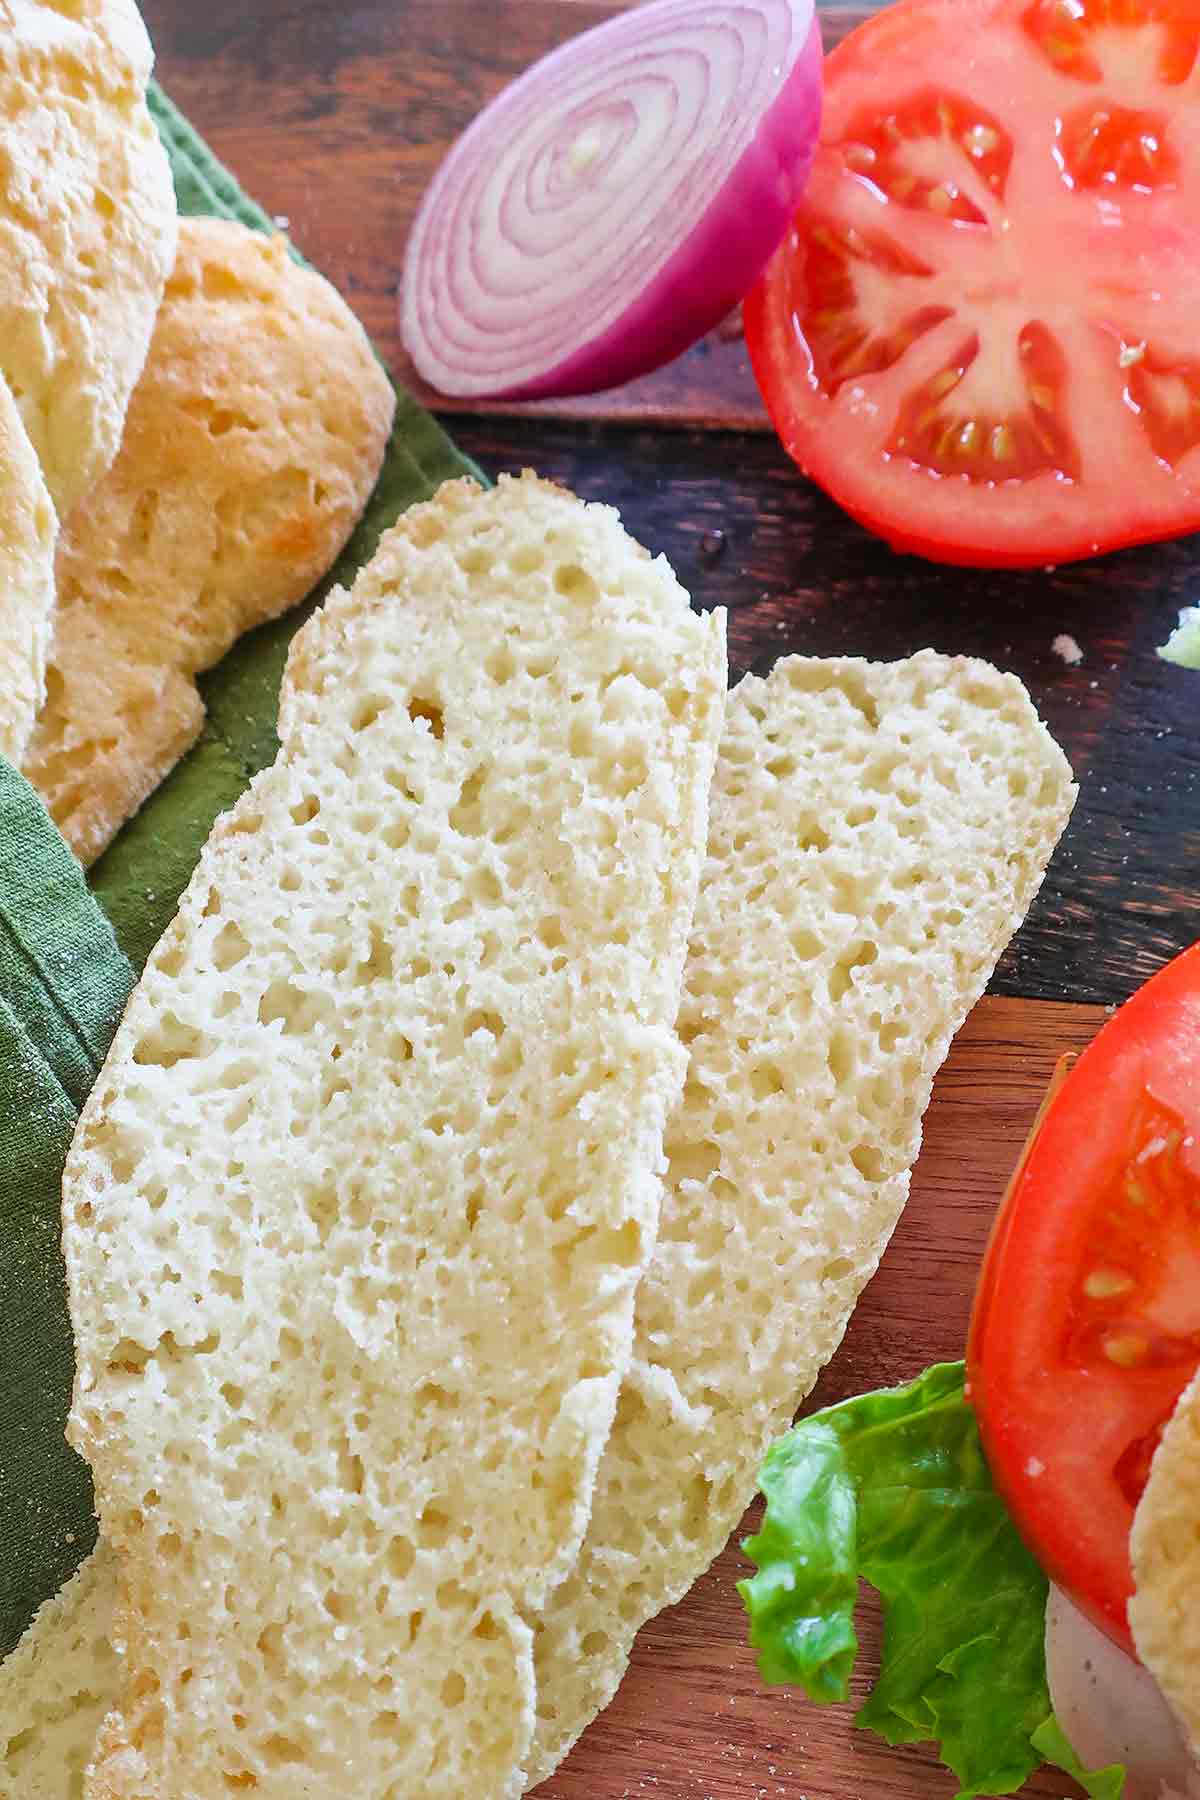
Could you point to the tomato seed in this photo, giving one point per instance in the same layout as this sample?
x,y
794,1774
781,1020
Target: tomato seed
x,y
980,140
1103,1284
1125,1349
1002,443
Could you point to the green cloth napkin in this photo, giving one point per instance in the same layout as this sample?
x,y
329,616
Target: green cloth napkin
x,y
67,964
63,983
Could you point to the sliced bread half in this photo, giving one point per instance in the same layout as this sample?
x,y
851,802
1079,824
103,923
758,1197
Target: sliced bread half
x,y
877,834
354,1216
57,1685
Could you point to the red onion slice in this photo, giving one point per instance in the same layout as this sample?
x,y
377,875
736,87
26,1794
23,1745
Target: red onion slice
x,y
616,202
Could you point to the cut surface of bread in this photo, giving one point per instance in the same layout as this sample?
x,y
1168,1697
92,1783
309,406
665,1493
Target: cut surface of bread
x,y
87,227
1165,1551
877,833
355,1214
57,1685
252,443
28,530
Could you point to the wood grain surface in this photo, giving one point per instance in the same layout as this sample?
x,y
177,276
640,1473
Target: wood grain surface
x,y
691,1720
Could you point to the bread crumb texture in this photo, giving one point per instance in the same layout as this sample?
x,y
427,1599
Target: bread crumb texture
x,y
28,531
877,834
355,1214
1166,1565
252,443
56,1686
87,227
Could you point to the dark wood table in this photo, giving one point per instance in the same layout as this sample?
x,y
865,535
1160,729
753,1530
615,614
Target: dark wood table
x,y
334,115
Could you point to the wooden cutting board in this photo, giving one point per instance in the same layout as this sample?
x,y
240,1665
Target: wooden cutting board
x,y
692,1721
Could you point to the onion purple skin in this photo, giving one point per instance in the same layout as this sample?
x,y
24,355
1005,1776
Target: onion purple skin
x,y
719,262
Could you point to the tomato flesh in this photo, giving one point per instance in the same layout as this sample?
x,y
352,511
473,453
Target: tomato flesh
x,y
1086,1324
982,332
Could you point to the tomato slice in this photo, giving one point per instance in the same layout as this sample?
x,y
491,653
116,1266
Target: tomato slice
x,y
982,332
1086,1325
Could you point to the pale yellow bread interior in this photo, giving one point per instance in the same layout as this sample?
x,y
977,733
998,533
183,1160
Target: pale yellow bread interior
x,y
355,1214
878,831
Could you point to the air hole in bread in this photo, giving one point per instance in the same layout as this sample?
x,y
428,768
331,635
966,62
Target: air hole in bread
x,y
576,584
625,778
296,1009
368,710
501,665
765,1080
488,1022
379,963
454,1689
859,956
466,815
868,1160
841,1056
433,1527
693,1162
805,943
278,1751
420,708
170,1042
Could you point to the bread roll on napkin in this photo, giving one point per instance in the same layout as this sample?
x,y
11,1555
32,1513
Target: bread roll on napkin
x,y
253,441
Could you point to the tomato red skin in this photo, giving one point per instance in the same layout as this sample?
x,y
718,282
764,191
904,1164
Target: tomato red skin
x,y
1050,1433
797,434
1125,495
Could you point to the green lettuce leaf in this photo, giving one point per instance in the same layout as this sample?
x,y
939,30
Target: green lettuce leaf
x,y
893,1487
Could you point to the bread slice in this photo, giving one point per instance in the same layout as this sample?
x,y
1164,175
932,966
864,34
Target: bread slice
x,y
57,1685
1165,1550
87,227
252,443
877,833
354,1216
28,531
